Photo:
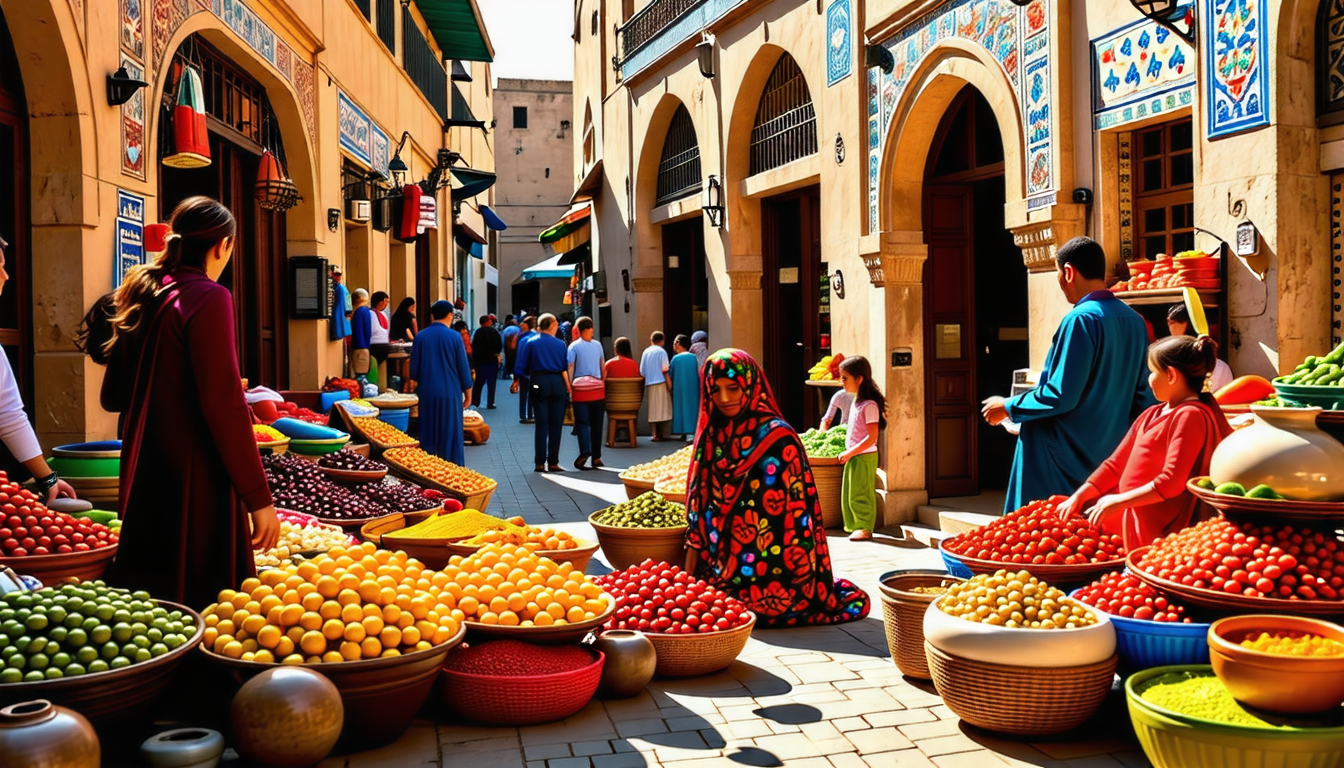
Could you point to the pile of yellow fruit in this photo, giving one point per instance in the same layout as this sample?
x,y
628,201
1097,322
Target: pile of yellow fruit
x,y
529,536
1016,600
675,464
356,602
444,473
514,586
382,433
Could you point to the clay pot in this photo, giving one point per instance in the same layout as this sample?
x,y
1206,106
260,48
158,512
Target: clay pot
x,y
41,733
631,662
287,716
1285,450
183,748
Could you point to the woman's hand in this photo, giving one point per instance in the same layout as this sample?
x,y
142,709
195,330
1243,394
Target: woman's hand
x,y
1078,502
61,489
1104,508
265,529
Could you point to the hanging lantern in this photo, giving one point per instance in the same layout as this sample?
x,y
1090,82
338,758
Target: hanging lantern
x,y
275,191
408,226
191,141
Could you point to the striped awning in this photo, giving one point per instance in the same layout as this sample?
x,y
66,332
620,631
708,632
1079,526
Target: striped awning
x,y
576,219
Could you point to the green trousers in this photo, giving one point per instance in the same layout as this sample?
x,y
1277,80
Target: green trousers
x,y
858,495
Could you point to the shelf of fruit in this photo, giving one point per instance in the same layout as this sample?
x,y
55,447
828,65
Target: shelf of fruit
x,y
301,486
466,485
382,435
1194,269
827,371
1036,538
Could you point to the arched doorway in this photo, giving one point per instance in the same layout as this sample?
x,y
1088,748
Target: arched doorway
x,y
242,125
15,301
975,301
685,275
797,324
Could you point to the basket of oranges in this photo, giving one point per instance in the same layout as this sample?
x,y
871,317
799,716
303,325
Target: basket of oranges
x,y
560,546
467,486
381,435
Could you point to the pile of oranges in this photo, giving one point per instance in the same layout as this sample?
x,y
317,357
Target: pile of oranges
x,y
382,433
513,586
443,473
356,602
530,536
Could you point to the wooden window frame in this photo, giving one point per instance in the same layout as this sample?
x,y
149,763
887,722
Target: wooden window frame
x,y
1166,197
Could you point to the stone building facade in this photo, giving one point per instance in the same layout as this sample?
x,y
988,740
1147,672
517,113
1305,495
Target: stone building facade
x,y
911,167
330,88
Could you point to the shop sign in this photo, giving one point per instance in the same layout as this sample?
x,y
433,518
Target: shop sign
x,y
1236,68
360,136
839,42
130,249
1138,71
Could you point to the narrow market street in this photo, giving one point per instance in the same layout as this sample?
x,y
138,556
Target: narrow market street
x,y
818,697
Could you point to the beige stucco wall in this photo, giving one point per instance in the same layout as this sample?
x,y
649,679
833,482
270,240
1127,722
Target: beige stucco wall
x,y
65,52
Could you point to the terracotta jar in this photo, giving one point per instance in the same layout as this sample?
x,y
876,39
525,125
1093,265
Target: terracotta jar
x,y
287,716
41,733
1285,450
631,661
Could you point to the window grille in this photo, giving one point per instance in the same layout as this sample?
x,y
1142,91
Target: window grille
x,y
423,65
679,168
786,121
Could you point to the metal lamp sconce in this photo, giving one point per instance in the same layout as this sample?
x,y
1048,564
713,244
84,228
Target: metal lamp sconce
x,y
1176,15
879,56
713,203
704,54
397,167
121,87
838,284
333,219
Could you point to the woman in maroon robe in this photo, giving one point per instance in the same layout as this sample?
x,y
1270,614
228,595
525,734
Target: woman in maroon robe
x,y
190,472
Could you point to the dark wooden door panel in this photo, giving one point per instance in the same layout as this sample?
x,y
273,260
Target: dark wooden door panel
x,y
953,462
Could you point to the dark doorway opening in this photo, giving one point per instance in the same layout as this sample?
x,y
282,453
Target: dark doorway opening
x,y
16,334
975,302
795,323
685,280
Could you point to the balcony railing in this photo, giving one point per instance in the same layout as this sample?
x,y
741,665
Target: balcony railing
x,y
423,66
387,24
651,20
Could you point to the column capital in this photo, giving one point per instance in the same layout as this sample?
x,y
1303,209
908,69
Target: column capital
x,y
744,279
1038,243
899,260
647,284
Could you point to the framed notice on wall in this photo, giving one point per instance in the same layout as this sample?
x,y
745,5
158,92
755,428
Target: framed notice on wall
x,y
129,250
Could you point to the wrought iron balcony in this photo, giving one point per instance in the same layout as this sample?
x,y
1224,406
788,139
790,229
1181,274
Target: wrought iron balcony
x,y
662,25
649,22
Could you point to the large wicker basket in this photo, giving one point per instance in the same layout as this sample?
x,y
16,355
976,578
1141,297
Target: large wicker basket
x,y
699,654
903,616
1026,701
634,487
828,476
625,547
520,699
623,397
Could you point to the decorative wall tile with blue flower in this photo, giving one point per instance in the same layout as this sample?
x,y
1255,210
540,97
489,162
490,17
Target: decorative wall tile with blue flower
x,y
1236,70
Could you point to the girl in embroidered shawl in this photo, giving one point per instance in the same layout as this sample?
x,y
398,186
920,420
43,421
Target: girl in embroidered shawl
x,y
754,523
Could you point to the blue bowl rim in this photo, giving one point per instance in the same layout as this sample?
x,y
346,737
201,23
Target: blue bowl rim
x,y
96,446
1148,626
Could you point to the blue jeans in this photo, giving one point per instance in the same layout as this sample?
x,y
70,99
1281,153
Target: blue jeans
x,y
486,376
549,397
588,422
527,404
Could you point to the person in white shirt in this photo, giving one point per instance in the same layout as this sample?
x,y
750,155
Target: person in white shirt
x,y
657,389
1178,323
380,335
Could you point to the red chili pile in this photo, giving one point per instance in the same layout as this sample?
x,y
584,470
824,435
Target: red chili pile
x,y
514,658
661,598
27,527
1242,558
1123,594
1035,534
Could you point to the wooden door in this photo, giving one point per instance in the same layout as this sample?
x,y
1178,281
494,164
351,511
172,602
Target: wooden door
x,y
685,286
951,410
791,271
15,301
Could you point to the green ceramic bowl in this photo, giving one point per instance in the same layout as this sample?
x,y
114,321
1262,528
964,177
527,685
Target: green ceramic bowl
x,y
68,467
318,447
1329,398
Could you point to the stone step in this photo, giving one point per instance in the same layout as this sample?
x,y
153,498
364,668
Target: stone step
x,y
923,534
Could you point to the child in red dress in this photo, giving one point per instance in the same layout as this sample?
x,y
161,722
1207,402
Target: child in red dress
x,y
1139,492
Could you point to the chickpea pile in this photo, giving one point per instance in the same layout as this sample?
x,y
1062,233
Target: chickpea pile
x,y
1016,600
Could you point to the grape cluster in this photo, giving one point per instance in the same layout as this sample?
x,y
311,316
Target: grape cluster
x,y
397,496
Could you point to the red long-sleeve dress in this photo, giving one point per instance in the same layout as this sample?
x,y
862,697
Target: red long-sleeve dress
x,y
1167,445
190,472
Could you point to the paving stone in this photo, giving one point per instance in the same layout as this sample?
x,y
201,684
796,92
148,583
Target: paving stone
x,y
619,760
789,746
419,746
630,728
899,717
850,724
947,745
546,751
979,759
738,712
777,727
536,764
877,740
1067,750
692,723
745,729
847,760
917,731
822,673
591,748
804,658
906,758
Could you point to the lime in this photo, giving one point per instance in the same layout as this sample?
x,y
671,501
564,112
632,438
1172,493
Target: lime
x,y
59,634
154,634
61,660
119,662
105,612
122,632
35,622
77,638
75,620
91,623
17,661
22,643
98,665
121,614
100,633
143,654
110,650
39,661
74,669
173,641
34,676
57,614
158,649
87,655
53,673
128,650
36,645
140,595
75,604
11,676
6,613
139,627
160,623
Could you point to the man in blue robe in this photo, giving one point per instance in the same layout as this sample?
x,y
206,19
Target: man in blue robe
x,y
1094,384
441,376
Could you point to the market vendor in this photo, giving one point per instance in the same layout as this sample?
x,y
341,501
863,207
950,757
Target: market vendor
x,y
1092,387
754,523
441,376
1178,323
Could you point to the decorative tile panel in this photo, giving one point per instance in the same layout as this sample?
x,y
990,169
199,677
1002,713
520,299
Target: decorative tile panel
x,y
1125,179
1330,67
839,42
133,123
133,28
360,136
1236,51
1139,71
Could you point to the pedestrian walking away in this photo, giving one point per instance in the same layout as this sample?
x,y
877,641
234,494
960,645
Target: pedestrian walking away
x,y
684,375
543,362
527,410
509,334
653,365
441,376
588,377
486,347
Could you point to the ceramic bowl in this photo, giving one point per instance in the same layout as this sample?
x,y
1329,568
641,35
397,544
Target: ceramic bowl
x,y
1043,648
104,449
1293,684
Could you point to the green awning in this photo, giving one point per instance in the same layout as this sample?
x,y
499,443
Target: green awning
x,y
458,29
471,182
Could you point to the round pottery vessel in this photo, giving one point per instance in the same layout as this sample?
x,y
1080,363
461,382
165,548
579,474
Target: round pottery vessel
x,y
1292,684
631,662
1008,646
183,748
1285,450
41,733
287,716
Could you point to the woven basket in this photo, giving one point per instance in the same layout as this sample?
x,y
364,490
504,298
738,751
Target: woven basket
x,y
696,655
476,435
623,397
828,475
1025,701
520,700
477,501
633,487
903,616
625,547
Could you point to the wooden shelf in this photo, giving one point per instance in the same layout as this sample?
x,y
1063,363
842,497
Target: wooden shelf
x,y
822,383
1209,298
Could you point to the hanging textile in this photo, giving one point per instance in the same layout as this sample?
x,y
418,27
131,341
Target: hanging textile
x,y
191,140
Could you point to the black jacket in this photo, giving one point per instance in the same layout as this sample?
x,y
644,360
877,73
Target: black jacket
x,y
486,344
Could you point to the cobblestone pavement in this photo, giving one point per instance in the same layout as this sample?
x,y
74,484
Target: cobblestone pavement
x,y
820,697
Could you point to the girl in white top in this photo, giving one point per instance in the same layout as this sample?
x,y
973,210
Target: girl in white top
x,y
867,415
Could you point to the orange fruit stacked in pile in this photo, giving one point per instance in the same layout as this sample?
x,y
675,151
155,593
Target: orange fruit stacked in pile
x,y
445,473
519,533
351,603
514,586
381,432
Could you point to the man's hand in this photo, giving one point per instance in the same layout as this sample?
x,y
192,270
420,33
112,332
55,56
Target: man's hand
x,y
513,388
995,412
466,399
265,529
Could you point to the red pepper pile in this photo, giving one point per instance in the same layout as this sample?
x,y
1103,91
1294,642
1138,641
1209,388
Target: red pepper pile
x,y
1034,534
661,598
513,658
27,527
1123,594
1280,561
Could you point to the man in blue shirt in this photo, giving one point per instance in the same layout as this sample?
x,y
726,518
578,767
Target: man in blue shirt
x,y
361,336
542,359
509,334
526,408
1094,384
587,377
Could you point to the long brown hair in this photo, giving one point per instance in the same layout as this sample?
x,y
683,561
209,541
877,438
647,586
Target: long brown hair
x,y
198,225
859,367
1193,358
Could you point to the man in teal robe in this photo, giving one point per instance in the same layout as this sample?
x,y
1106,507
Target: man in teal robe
x,y
1094,384
441,377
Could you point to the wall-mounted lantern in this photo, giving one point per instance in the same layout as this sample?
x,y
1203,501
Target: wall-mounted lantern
x,y
704,53
121,87
713,203
1176,15
879,56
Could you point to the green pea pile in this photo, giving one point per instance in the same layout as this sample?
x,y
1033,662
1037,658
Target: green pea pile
x,y
825,445
647,510
81,628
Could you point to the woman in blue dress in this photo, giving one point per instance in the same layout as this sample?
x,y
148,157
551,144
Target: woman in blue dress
x,y
684,371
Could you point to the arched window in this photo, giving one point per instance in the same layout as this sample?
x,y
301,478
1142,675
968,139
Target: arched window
x,y
1330,60
679,168
589,136
786,121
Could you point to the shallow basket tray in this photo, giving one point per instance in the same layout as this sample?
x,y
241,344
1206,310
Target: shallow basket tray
x,y
477,501
1024,701
116,696
578,557
634,487
379,445
358,522
85,566
352,476
624,547
1227,603
521,699
903,616
563,634
699,654
1054,575
1241,507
